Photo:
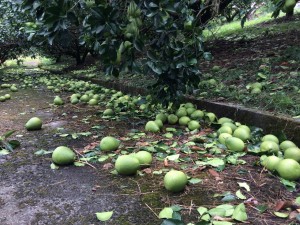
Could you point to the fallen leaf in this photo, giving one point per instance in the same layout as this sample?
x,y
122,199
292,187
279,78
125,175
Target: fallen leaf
x,y
147,170
214,173
166,163
244,185
107,166
282,205
293,215
196,148
104,216
281,215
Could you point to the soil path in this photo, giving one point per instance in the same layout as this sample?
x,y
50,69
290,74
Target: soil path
x,y
32,193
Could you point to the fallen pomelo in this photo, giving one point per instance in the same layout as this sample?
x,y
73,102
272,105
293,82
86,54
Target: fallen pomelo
x,y
292,153
288,169
224,129
269,146
109,144
224,120
245,127
229,124
193,125
175,181
270,137
172,119
271,162
242,134
184,120
108,112
161,116
159,123
197,114
286,144
127,165
58,101
223,136
181,112
34,123
63,156
234,144
144,157
151,126
211,117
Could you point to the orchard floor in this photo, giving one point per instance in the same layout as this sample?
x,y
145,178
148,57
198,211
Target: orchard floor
x,y
33,193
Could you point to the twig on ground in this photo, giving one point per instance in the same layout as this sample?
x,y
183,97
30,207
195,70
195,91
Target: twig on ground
x,y
151,210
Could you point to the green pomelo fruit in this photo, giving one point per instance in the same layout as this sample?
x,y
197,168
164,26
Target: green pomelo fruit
x,y
189,105
292,153
181,112
93,102
234,144
245,127
210,117
215,68
34,123
270,137
256,85
223,136
256,91
127,165
288,169
74,100
109,144
58,101
7,96
63,156
159,123
2,99
231,125
175,181
198,114
108,112
271,162
212,82
183,121
13,88
286,144
161,116
189,111
172,119
269,146
144,157
193,125
242,134
151,126
224,129
289,5
84,98
224,120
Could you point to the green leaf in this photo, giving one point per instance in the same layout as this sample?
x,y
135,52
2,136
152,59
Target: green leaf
x,y
79,164
195,180
166,213
4,152
221,223
240,195
217,212
176,208
8,133
173,157
290,185
168,135
102,158
297,201
42,152
239,213
104,216
54,166
201,210
262,208
281,215
244,185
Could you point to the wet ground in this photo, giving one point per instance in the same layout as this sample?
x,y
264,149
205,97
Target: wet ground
x,y
32,193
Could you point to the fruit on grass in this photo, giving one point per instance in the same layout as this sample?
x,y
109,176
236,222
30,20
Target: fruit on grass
x,y
224,120
58,101
255,91
109,144
74,100
211,117
269,146
144,157
234,144
183,121
84,98
175,181
161,116
223,136
231,125
242,134
286,144
245,127
288,169
189,111
159,123
270,137
193,125
93,101
7,96
34,123
127,165
63,155
151,126
172,119
292,153
271,162
181,112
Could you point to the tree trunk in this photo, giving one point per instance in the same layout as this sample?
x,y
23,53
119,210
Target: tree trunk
x,y
290,13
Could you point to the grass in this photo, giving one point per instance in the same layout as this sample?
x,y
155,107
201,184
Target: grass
x,y
234,28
